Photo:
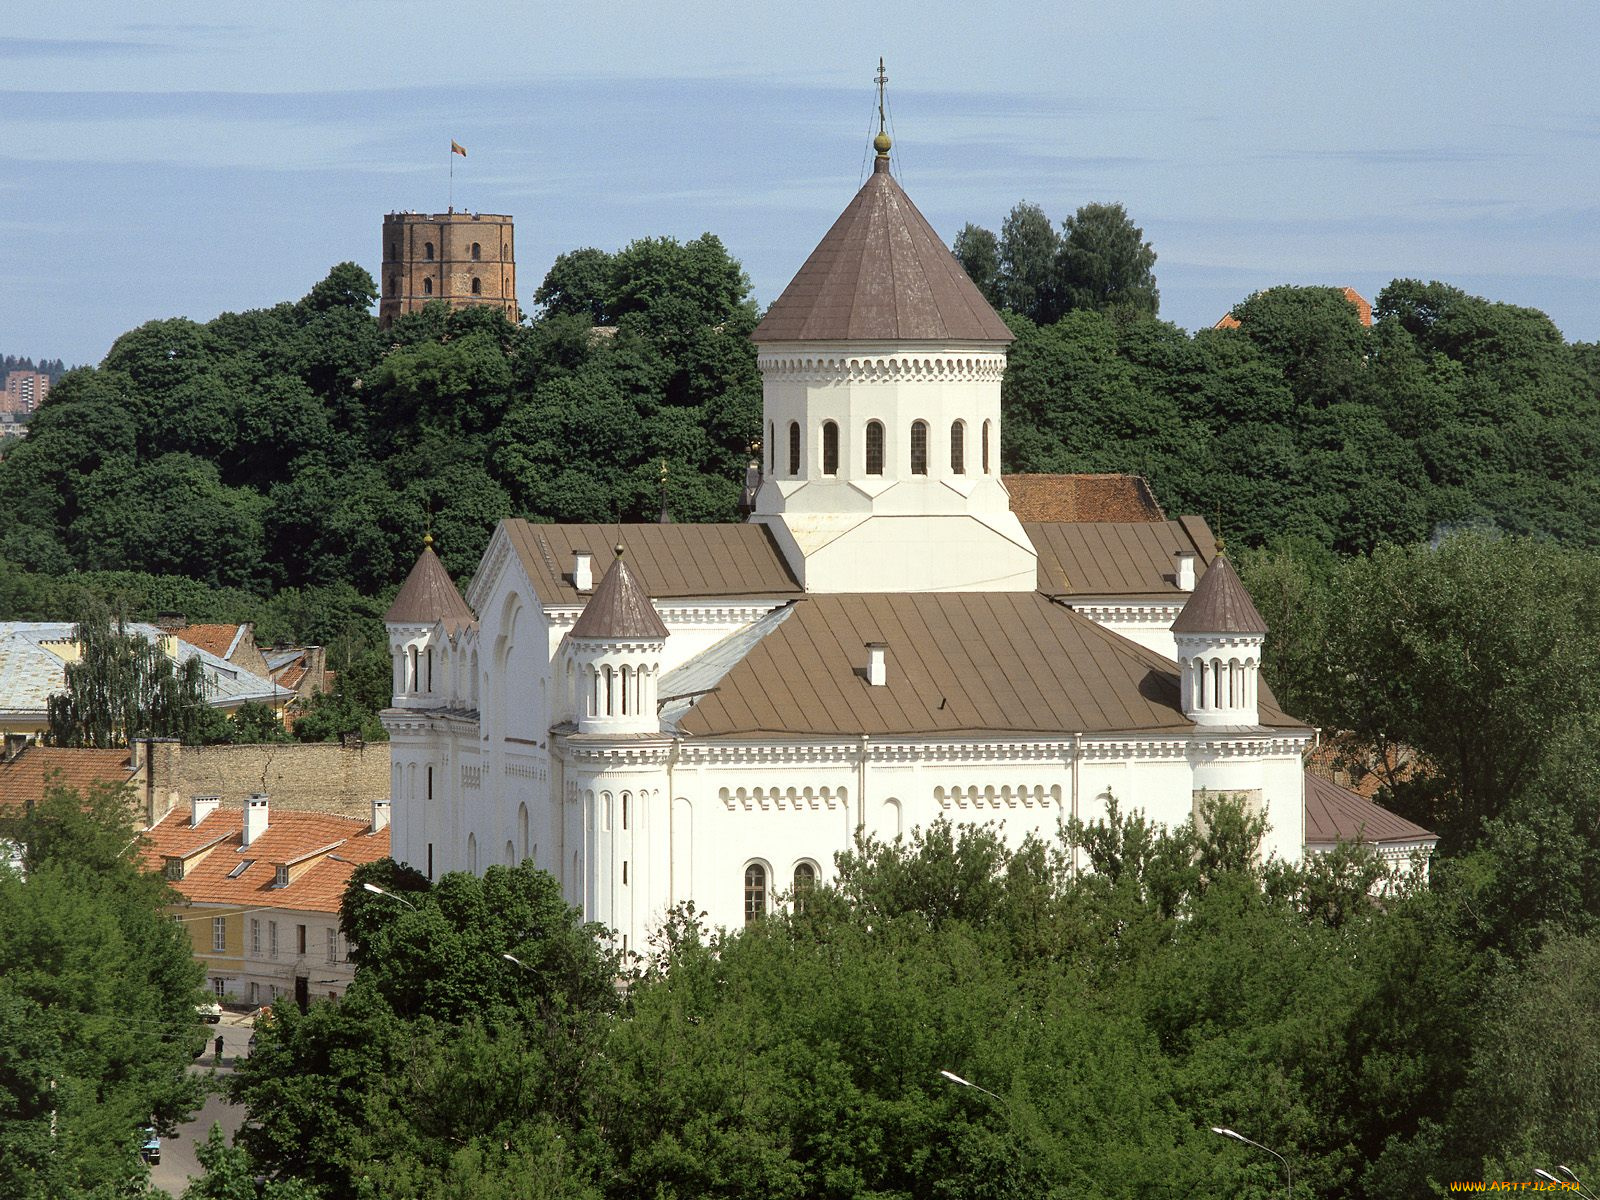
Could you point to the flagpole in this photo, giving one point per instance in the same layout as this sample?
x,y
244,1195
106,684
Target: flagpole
x,y
452,177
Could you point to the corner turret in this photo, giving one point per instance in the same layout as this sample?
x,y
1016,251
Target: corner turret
x,y
1219,635
427,599
615,649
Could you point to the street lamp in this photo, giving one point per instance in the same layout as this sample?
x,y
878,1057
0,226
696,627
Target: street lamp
x,y
512,958
378,891
1568,1172
1239,1137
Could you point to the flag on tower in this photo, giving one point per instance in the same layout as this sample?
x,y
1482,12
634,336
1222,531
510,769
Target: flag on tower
x,y
457,148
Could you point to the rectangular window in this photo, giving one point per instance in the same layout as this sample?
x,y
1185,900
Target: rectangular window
x,y
430,860
174,869
624,872
333,945
275,993
255,994
255,936
300,939
272,939
220,987
430,781
280,877
219,933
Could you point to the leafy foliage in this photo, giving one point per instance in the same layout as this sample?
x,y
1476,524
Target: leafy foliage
x,y
97,995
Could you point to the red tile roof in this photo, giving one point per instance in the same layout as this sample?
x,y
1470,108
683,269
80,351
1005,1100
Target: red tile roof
x,y
1082,498
1334,814
213,639
37,768
289,838
1362,305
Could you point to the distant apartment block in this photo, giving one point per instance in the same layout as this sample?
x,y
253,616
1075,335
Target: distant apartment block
x,y
25,391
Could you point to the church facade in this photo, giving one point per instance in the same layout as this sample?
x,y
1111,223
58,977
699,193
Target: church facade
x,y
659,714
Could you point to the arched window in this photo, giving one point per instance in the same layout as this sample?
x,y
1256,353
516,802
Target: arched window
x,y
805,878
830,448
986,447
511,855
476,254
627,797
794,447
772,448
874,447
411,669
919,447
522,828
755,893
608,704
429,686
427,251
427,287
958,448
626,674
477,286
472,853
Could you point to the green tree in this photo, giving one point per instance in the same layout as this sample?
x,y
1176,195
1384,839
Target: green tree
x,y
1105,263
978,252
97,995
124,686
1029,246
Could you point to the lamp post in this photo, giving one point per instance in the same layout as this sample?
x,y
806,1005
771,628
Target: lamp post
x,y
1239,1137
967,1083
378,891
512,958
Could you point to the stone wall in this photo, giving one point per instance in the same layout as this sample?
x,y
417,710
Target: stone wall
x,y
309,777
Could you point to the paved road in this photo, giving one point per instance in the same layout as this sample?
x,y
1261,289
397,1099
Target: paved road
x,y
178,1161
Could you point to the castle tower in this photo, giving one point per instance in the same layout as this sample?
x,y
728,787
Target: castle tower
x,y
461,258
880,366
1219,635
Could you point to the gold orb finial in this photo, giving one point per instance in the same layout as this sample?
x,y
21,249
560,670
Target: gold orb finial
x,y
427,541
619,549
881,144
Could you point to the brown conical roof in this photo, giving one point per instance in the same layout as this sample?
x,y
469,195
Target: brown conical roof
x,y
881,274
1219,604
620,609
427,596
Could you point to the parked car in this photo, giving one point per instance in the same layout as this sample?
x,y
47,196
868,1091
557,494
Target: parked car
x,y
209,1012
151,1150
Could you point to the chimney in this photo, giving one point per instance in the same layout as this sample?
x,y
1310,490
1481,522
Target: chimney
x,y
380,814
878,663
583,571
16,743
202,807
255,817
1185,573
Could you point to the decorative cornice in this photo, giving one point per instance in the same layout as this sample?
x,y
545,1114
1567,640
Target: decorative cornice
x,y
1005,797
693,613
1114,613
848,368
779,799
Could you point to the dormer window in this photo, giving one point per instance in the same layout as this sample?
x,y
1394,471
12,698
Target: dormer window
x,y
172,868
243,866
280,877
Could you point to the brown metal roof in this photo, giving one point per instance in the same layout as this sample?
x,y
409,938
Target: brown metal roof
x,y
1335,814
1117,558
1219,604
427,596
881,274
958,663
1082,498
667,561
619,608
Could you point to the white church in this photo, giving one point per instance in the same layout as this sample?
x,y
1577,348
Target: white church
x,y
708,713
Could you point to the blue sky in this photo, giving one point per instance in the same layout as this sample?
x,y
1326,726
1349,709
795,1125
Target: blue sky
x,y
186,159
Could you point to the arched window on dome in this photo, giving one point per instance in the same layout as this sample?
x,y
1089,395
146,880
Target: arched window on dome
x,y
874,447
805,878
411,669
755,893
830,448
919,447
794,447
626,673
958,448
986,447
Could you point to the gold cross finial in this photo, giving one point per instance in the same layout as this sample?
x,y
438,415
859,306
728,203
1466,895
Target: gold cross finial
x,y
881,142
